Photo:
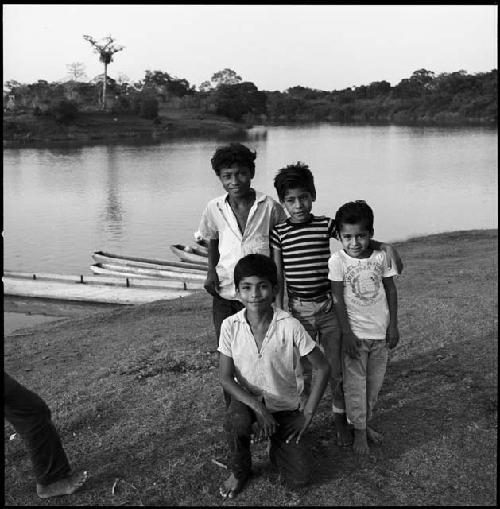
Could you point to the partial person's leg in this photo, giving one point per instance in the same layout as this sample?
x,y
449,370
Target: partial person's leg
x,y
238,428
354,374
221,309
375,372
31,418
293,461
304,312
330,338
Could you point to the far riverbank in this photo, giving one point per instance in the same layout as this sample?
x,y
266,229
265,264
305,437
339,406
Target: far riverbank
x,y
135,394
94,128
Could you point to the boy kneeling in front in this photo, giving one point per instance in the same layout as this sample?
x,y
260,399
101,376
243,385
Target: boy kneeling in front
x,y
260,348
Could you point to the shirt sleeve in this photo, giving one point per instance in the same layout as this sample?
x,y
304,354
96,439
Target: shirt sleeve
x,y
335,268
208,229
387,272
278,215
275,240
331,228
225,339
304,343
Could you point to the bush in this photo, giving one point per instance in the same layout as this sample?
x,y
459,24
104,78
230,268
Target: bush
x,y
64,111
148,108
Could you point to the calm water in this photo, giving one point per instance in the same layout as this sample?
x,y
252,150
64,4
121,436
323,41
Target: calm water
x,y
62,204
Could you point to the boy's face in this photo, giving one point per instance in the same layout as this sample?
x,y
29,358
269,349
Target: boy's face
x,y
298,203
256,293
355,239
236,180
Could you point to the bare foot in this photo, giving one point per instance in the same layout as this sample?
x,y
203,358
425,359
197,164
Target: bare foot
x,y
374,436
344,434
231,486
360,445
65,486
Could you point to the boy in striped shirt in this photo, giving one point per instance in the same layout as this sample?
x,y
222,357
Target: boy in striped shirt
x,y
301,250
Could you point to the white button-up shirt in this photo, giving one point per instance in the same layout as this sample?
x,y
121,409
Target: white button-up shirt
x,y
219,222
272,373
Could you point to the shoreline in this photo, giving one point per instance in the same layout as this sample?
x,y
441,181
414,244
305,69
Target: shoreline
x,y
141,131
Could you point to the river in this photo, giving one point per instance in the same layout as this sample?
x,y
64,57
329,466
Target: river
x,y
62,204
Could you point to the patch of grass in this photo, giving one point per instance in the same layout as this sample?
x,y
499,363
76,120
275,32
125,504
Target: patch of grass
x,y
135,395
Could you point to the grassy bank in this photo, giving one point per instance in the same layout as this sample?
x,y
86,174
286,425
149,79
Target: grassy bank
x,y
28,130
134,393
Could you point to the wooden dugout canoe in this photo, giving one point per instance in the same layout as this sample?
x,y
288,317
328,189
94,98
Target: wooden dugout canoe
x,y
171,281
93,289
152,273
148,263
193,254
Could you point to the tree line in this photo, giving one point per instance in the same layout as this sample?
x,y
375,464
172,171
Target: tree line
x,y
456,97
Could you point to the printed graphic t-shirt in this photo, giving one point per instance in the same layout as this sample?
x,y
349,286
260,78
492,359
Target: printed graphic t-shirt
x,y
364,293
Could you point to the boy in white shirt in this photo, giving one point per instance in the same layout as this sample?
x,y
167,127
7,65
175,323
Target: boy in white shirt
x,y
260,347
365,300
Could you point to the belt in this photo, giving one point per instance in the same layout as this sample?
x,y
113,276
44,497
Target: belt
x,y
319,298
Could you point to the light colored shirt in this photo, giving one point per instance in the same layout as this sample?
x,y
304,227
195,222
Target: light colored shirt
x,y
219,222
364,292
272,373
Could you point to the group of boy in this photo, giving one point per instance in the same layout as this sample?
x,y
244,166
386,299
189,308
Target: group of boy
x,y
341,318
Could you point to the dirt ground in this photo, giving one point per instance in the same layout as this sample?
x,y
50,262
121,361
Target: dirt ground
x,y
135,395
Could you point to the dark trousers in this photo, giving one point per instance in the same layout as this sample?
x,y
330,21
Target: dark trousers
x,y
292,460
31,418
221,309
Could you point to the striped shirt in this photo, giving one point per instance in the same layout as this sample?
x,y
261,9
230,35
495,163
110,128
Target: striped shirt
x,y
305,250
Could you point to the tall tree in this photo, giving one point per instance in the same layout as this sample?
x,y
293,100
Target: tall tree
x,y
76,70
225,77
106,49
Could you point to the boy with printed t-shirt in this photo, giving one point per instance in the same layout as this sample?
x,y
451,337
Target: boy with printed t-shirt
x,y
301,249
365,299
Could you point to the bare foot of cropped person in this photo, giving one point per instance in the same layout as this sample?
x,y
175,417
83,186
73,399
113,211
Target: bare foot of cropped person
x,y
374,436
65,486
231,486
343,432
360,444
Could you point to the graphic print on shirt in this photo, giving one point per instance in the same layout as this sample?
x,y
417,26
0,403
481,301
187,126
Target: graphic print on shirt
x,y
364,281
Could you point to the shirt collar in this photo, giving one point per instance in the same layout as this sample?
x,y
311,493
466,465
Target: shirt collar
x,y
278,314
258,197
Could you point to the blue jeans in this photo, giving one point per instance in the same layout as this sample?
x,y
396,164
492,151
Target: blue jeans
x,y
363,379
320,321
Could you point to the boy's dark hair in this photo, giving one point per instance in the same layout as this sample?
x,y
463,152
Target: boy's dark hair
x,y
292,177
256,265
354,212
234,153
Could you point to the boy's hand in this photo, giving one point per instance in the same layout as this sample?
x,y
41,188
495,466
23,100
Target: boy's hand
x,y
350,344
211,284
297,427
267,425
392,336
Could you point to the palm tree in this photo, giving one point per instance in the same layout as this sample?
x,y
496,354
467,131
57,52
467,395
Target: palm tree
x,y
106,50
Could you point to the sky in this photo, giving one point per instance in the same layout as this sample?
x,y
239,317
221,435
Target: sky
x,y
327,47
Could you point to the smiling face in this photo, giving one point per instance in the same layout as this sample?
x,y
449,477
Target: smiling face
x,y
256,293
236,180
355,239
298,203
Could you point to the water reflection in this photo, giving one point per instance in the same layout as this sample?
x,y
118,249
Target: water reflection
x,y
112,213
